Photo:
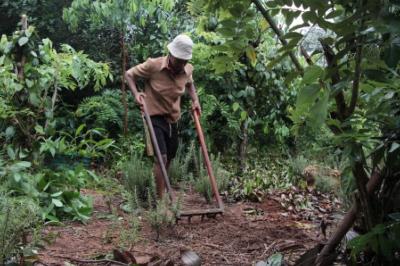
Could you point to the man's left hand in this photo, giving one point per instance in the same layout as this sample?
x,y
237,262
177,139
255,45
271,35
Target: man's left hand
x,y
196,107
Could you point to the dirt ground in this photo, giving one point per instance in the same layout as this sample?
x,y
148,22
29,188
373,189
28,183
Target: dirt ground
x,y
288,222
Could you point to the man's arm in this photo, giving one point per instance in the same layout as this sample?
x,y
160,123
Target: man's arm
x,y
131,79
195,99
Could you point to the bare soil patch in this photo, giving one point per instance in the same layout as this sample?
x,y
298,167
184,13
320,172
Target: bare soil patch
x,y
247,232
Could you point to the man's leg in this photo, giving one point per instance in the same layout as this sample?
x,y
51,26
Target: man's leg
x,y
160,182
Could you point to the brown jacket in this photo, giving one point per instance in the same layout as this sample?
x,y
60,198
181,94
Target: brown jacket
x,y
163,90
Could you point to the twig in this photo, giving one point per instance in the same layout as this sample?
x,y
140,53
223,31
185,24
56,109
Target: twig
x,y
212,245
93,261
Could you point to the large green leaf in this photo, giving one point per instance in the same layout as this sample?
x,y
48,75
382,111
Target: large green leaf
x,y
312,74
308,95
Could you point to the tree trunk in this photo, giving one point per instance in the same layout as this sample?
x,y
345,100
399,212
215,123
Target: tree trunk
x,y
347,222
123,88
242,151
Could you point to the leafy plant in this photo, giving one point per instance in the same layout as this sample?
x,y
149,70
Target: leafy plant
x,y
162,215
18,218
383,240
139,180
179,168
58,193
202,182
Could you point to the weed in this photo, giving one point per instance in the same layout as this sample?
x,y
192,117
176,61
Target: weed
x,y
162,216
179,169
18,217
139,181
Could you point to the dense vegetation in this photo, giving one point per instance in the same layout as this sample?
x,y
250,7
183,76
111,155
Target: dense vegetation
x,y
280,83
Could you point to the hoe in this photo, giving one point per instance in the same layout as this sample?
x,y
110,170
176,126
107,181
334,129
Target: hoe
x,y
209,213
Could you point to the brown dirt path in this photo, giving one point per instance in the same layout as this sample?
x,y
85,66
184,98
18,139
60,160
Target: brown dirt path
x,y
246,233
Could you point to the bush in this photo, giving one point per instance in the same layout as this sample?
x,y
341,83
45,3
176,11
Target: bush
x,y
179,168
18,217
163,215
202,182
139,180
58,192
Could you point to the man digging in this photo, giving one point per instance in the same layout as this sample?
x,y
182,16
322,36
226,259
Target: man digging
x,y
166,79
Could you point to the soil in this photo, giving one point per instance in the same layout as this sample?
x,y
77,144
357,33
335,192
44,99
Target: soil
x,y
245,234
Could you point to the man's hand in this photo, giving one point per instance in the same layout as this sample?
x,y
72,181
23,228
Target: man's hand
x,y
196,107
139,97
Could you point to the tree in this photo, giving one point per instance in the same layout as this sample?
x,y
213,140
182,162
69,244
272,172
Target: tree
x,y
29,95
355,95
124,17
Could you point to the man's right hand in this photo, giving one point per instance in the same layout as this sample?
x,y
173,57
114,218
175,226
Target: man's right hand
x,y
139,97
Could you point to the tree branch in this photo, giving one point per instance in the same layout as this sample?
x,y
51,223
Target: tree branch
x,y
357,76
347,221
277,31
332,64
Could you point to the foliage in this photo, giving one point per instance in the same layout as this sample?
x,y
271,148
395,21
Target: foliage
x,y
18,218
105,111
29,96
130,235
202,181
383,239
139,180
179,169
58,193
162,216
264,174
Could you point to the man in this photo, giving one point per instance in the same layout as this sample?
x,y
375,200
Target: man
x,y
166,79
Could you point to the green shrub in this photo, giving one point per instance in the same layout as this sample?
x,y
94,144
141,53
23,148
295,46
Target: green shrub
x,y
139,180
179,169
18,218
58,192
327,184
163,215
202,182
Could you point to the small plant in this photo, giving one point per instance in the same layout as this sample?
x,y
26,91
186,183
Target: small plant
x,y
58,192
179,168
162,216
139,180
202,183
18,218
130,236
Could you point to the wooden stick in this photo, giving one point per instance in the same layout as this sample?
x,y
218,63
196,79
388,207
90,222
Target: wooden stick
x,y
347,222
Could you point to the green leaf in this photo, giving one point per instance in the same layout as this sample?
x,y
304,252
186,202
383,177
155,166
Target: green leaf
x,y
319,111
23,164
22,41
235,106
57,202
394,146
79,129
308,95
57,194
292,35
17,177
39,129
243,115
10,131
251,55
275,260
312,73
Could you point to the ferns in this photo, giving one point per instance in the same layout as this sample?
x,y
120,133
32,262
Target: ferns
x,y
102,111
106,111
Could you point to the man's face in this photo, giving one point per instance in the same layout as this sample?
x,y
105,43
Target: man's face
x,y
175,64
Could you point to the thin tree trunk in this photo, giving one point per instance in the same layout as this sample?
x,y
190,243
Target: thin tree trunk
x,y
123,88
278,32
242,152
347,221
24,23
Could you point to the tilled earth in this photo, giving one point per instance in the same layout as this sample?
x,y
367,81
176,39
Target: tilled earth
x,y
288,222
